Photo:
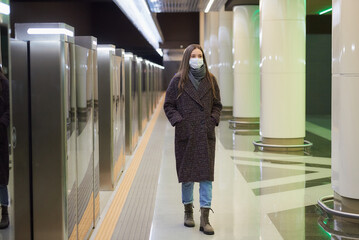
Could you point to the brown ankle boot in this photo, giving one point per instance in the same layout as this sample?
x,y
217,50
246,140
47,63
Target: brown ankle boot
x,y
188,215
4,217
205,226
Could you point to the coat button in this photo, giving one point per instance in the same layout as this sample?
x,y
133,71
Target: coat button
x,y
201,108
202,121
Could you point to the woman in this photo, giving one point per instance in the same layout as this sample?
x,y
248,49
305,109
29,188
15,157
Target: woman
x,y
193,106
4,149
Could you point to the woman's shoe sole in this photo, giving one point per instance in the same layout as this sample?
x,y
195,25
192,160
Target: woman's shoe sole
x,y
186,225
207,233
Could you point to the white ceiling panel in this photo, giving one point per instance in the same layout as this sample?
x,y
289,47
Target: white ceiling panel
x,y
183,5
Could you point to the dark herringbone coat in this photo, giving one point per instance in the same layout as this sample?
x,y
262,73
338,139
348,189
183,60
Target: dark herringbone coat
x,y
195,113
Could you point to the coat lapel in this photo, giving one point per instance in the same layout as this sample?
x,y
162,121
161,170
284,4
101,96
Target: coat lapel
x,y
203,87
192,92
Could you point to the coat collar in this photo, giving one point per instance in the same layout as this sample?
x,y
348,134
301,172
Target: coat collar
x,y
203,88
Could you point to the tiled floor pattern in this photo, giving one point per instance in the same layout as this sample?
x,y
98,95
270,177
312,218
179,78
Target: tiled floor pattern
x,y
256,195
136,217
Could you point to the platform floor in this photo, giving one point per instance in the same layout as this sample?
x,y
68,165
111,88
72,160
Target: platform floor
x,y
256,195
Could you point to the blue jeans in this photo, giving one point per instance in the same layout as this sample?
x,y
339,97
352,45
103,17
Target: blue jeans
x,y
205,193
4,196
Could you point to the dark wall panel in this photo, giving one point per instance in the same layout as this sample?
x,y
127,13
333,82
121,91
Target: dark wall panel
x,y
171,68
319,24
76,14
318,64
318,74
104,20
101,19
179,29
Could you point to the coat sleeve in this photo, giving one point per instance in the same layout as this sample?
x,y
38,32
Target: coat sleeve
x,y
170,106
5,116
217,105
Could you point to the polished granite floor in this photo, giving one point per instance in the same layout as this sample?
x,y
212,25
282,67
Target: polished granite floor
x,y
256,195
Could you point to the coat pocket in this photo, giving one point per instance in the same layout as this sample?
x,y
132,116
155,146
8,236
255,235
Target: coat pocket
x,y
181,130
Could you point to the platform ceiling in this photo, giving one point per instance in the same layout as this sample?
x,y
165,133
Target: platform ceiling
x,y
313,6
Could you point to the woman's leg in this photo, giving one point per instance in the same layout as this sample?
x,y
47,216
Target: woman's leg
x,y
187,192
4,200
187,200
205,194
205,200
4,195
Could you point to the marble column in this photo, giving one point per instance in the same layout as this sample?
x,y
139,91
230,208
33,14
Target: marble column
x,y
282,48
246,100
213,43
345,97
225,38
201,28
206,41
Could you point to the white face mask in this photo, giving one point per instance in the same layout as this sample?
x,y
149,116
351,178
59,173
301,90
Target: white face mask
x,y
196,62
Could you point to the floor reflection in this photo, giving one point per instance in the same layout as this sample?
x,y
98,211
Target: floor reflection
x,y
339,228
321,146
285,177
231,139
299,223
243,140
291,186
260,173
282,162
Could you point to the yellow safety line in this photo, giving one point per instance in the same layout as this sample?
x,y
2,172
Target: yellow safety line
x,y
118,165
109,223
87,219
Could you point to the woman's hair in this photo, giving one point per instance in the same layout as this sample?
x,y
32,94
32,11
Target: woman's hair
x,y
184,68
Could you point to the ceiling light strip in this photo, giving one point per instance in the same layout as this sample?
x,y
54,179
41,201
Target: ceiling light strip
x,y
159,51
209,5
325,11
4,9
138,13
50,31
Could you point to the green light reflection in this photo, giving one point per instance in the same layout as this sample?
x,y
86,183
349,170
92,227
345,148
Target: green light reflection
x,y
325,11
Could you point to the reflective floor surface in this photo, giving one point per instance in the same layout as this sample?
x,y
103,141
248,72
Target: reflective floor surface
x,y
256,195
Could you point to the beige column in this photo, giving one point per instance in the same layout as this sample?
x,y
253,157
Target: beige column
x,y
201,28
206,40
213,43
345,98
282,48
225,39
246,100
